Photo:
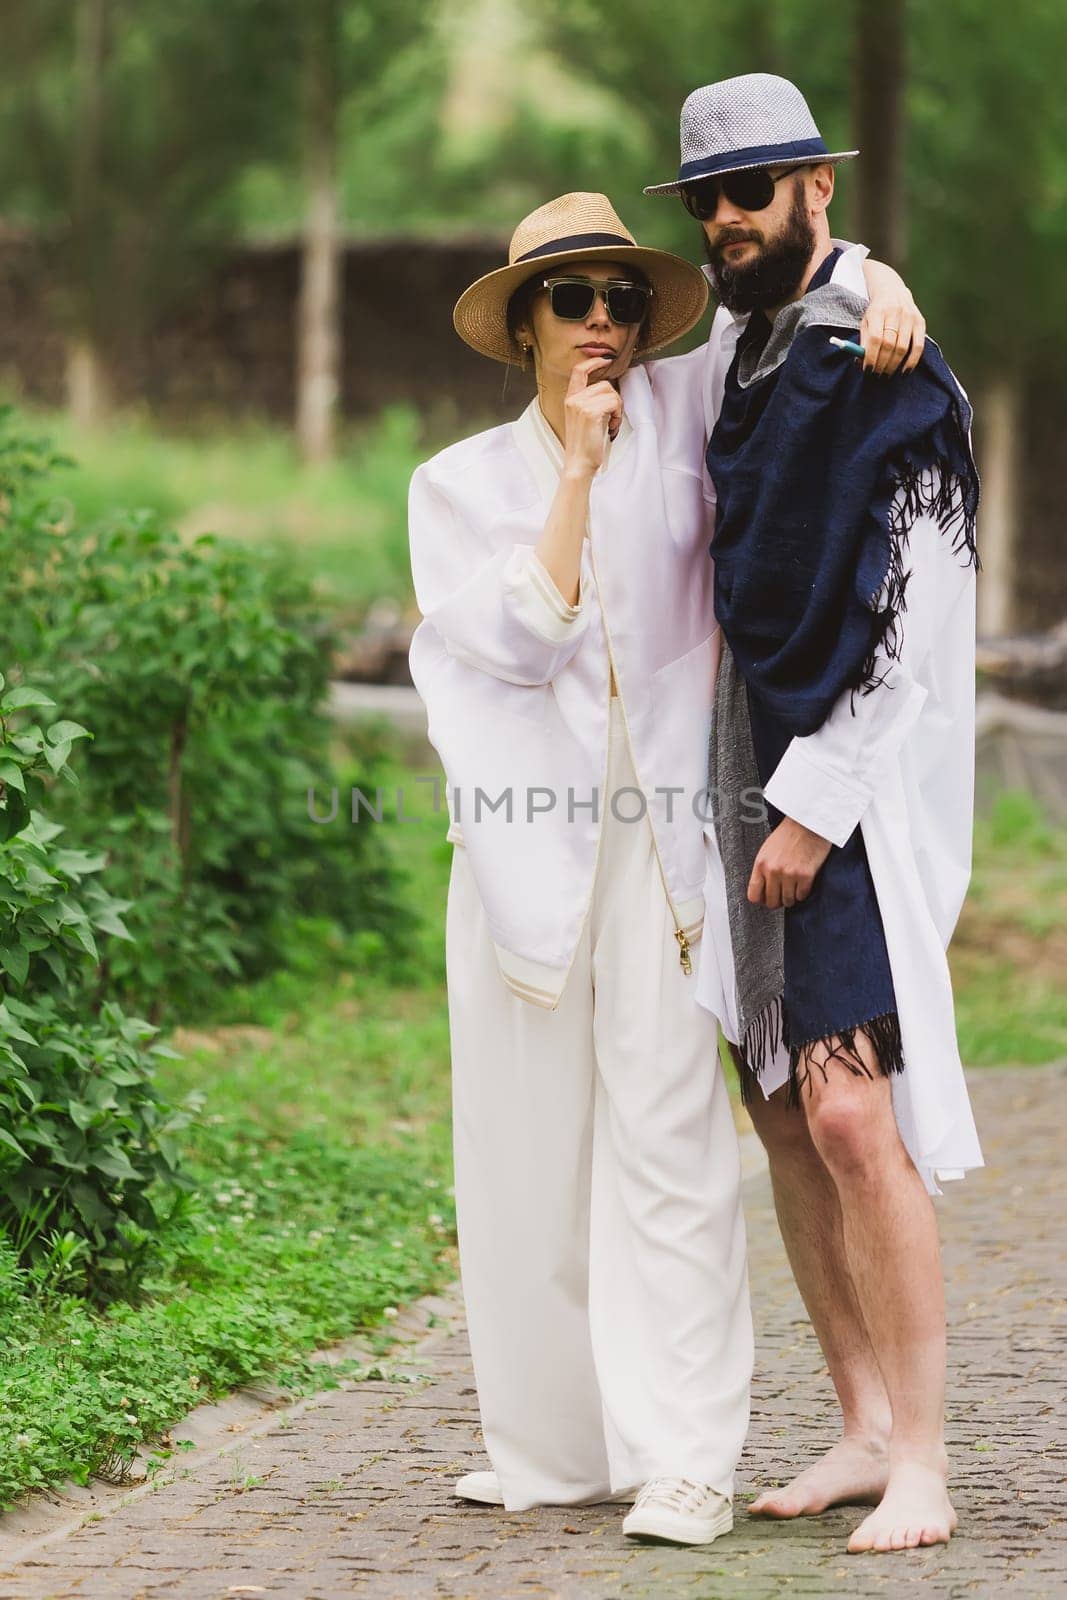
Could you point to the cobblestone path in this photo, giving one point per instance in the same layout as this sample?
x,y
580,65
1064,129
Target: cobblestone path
x,y
352,1496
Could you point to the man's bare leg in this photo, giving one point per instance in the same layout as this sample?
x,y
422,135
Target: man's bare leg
x,y
894,1261
856,1468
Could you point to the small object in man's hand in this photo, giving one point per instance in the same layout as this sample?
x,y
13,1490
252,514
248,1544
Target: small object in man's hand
x,y
849,346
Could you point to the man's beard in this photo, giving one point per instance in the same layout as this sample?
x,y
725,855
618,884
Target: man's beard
x,y
776,273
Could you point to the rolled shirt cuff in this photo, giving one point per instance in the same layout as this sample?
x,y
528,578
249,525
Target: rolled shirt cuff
x,y
539,604
816,796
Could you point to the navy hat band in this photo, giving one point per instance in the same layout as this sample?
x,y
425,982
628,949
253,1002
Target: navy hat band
x,y
575,241
757,155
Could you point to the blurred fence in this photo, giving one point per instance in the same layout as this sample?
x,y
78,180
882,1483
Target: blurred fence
x,y
1021,747
229,345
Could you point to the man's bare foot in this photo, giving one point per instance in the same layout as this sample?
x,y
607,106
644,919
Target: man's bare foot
x,y
853,1472
914,1510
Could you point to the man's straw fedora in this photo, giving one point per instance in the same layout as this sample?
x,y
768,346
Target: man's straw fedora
x,y
757,120
578,227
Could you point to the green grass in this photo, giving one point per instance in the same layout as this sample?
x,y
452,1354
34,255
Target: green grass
x,y
344,524
1010,952
322,1200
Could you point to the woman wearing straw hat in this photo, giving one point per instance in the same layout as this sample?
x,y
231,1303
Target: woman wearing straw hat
x,y
567,659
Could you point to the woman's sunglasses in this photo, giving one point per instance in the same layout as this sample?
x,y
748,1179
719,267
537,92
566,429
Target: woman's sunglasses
x,y
749,191
572,298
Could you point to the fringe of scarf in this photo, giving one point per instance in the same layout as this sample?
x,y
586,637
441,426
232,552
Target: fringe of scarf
x,y
764,1036
951,499
884,1034
770,1030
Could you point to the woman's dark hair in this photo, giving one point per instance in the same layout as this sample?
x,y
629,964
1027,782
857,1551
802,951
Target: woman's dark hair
x,y
521,302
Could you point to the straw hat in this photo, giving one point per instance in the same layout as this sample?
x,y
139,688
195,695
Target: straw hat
x,y
757,120
578,227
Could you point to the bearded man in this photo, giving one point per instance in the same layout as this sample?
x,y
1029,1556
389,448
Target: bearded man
x,y
845,561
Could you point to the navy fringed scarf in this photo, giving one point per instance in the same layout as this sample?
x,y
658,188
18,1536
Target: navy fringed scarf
x,y
820,471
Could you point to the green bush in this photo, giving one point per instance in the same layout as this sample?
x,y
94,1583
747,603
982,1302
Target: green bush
x,y
203,671
87,1143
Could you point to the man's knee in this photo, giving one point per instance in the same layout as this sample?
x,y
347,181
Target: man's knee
x,y
851,1123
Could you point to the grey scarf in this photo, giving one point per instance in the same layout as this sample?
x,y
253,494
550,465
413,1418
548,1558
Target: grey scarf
x,y
830,306
739,812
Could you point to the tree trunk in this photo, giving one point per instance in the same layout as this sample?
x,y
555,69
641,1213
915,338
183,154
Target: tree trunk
x,y
879,71
88,389
1001,415
319,321
760,37
88,385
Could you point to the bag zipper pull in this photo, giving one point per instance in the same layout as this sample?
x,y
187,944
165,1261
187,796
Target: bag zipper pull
x,y
683,948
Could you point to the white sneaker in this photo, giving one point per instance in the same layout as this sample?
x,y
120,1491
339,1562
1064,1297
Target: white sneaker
x,y
484,1488
480,1486
680,1512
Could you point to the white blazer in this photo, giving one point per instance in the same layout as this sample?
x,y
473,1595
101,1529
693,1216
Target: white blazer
x,y
516,682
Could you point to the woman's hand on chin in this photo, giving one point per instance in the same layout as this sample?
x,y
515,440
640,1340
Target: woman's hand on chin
x,y
591,412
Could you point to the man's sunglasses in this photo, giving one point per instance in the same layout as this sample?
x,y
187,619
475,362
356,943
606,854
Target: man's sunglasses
x,y
572,299
749,191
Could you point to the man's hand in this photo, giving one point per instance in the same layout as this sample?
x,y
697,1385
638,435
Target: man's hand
x,y
785,868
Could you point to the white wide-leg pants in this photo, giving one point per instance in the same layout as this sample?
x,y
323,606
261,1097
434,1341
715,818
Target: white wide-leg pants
x,y
601,1237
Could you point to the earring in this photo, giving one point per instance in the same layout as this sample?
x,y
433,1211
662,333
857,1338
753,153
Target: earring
x,y
525,352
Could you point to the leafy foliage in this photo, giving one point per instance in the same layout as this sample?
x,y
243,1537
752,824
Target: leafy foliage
x,y
179,106
87,1143
313,1213
988,179
203,673
241,1294
189,122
